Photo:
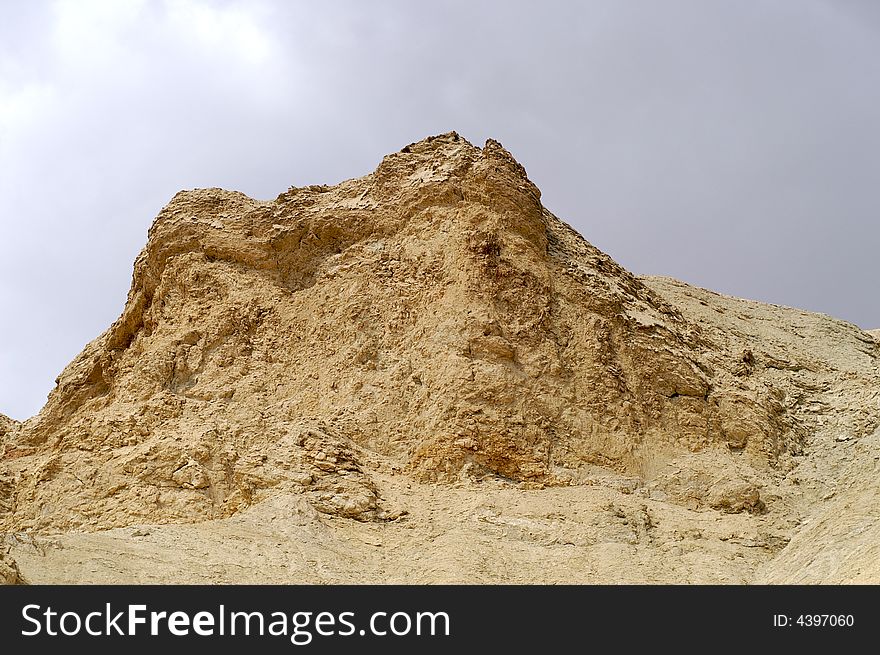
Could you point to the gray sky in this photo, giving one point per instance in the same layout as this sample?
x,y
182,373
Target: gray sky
x,y
734,145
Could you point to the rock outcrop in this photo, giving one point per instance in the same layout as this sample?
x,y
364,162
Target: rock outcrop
x,y
9,573
7,425
433,314
433,322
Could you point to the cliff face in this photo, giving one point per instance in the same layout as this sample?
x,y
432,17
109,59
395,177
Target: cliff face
x,y
6,425
431,321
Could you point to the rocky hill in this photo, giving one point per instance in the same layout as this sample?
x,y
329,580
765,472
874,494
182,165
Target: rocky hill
x,y
423,375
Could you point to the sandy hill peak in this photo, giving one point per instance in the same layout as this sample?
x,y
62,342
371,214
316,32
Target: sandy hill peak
x,y
430,320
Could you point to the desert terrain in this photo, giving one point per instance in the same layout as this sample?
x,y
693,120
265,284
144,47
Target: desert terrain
x,y
424,376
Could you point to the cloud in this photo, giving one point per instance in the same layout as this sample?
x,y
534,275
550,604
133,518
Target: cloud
x,y
91,34
22,107
734,145
230,30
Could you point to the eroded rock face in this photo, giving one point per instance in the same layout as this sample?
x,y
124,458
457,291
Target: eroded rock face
x,y
9,573
7,426
430,319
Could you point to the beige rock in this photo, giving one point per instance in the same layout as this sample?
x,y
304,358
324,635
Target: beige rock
x,y
735,495
7,427
402,346
9,573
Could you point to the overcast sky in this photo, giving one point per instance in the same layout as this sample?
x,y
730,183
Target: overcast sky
x,y
733,145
